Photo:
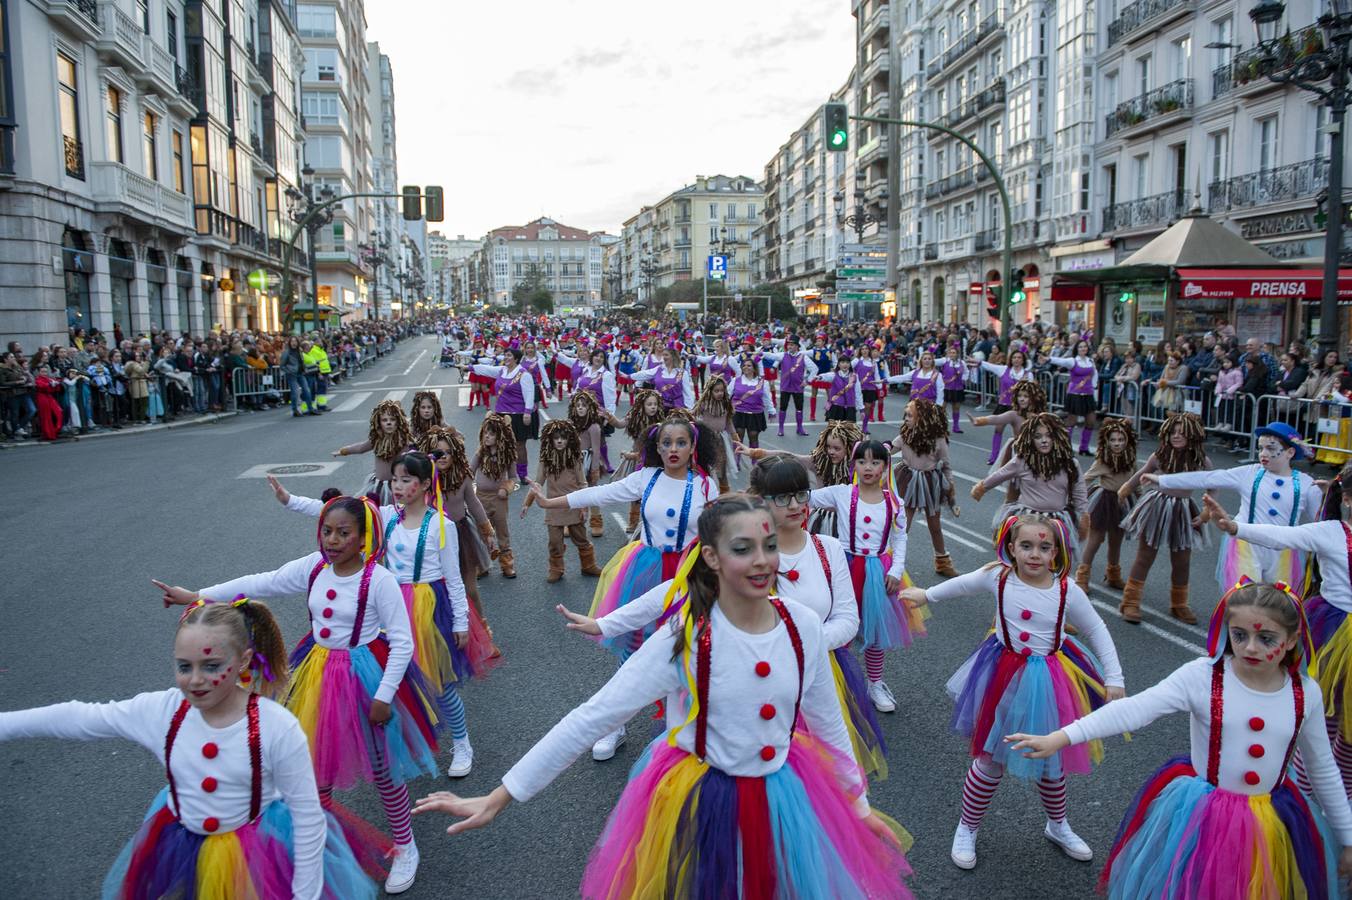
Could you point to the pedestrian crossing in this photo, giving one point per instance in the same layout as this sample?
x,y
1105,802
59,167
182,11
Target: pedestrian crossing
x,y
358,399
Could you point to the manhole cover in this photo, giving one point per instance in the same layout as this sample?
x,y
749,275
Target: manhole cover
x,y
294,470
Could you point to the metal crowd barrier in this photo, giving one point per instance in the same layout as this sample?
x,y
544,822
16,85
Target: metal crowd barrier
x,y
1326,425
246,382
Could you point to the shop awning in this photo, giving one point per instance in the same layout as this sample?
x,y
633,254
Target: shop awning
x,y
1071,292
1302,284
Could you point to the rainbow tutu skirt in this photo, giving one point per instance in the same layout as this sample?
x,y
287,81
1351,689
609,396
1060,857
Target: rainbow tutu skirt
x,y
866,735
999,692
885,621
254,862
1182,837
439,659
1332,665
685,829
1238,558
634,570
331,694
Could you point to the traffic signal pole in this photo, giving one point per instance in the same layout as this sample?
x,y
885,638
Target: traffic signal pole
x,y
1007,263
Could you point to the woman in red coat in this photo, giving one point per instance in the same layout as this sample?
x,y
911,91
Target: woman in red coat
x,y
49,390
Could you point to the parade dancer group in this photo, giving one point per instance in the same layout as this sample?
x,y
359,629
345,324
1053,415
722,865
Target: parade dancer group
x,y
759,622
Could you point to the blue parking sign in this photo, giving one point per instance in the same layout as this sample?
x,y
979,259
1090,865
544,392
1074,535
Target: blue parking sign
x,y
718,267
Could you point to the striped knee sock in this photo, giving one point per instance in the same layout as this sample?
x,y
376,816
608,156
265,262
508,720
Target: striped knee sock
x,y
326,796
1053,793
977,792
873,663
394,797
453,709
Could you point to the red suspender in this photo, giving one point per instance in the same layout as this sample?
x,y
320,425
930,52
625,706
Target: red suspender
x,y
174,724
826,567
1213,763
1057,637
255,756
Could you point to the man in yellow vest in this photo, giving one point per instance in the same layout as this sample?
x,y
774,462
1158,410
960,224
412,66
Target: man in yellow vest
x,y
317,365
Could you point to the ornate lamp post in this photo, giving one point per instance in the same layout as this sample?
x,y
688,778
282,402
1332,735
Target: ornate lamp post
x,y
301,204
373,255
861,218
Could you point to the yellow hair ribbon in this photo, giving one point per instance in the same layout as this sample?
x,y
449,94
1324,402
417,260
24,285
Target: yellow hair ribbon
x,y
680,584
441,508
692,685
368,541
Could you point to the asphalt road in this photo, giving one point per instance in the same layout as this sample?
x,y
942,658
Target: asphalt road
x,y
91,522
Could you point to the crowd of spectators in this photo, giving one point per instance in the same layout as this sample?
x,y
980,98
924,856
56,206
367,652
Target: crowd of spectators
x,y
98,381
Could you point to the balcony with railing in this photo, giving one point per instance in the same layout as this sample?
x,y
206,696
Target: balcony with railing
x,y
931,252
1025,233
114,183
964,45
879,20
877,101
82,16
74,154
959,180
1152,107
986,240
121,38
1156,211
877,64
1247,72
1298,181
1138,15
993,95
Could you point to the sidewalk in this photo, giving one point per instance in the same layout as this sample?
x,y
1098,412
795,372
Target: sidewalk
x,y
123,431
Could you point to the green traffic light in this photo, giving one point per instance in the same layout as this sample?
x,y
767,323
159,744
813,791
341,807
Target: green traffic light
x,y
838,139
1017,297
1126,297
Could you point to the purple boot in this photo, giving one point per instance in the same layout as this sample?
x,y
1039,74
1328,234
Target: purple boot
x,y
995,447
798,414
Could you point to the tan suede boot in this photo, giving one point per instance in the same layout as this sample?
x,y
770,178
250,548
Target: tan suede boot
x,y
1130,607
1178,604
598,524
943,565
555,567
587,556
1113,577
1082,576
508,565
633,516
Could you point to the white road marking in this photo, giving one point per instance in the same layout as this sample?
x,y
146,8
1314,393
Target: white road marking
x,y
352,402
261,470
396,396
421,354
462,400
364,382
620,521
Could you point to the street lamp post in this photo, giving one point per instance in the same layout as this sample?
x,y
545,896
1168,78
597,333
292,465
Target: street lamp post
x,y
1324,72
646,270
303,211
373,255
861,218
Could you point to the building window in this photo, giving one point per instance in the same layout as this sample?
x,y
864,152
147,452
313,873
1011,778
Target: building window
x,y
114,116
70,116
316,21
176,140
171,33
713,234
1143,75
1218,149
143,8
713,211
732,207
1141,173
1267,143
151,148
1181,51
751,207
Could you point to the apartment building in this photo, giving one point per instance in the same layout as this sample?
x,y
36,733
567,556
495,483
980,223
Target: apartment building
x,y
568,261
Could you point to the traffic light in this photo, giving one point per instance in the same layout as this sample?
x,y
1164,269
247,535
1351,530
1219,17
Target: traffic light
x,y
1016,291
1126,297
993,301
432,197
412,202
836,124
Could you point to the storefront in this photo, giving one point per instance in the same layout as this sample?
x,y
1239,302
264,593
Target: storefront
x,y
1274,305
1072,308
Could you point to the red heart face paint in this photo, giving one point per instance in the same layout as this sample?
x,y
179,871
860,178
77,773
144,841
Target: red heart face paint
x,y
1042,535
766,526
1270,655
206,651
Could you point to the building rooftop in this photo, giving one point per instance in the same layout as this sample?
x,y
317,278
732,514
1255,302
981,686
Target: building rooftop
x,y
531,231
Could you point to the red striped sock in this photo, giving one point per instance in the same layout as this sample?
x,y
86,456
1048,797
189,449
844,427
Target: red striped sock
x,y
873,663
326,796
394,797
977,792
1053,793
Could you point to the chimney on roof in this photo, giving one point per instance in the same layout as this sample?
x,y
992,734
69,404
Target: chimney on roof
x,y
701,183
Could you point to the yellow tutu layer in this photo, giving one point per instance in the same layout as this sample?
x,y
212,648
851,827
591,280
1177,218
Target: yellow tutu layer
x,y
1332,668
429,646
868,753
222,871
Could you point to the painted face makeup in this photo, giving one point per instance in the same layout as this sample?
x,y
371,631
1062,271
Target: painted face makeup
x,y
204,665
747,556
1258,642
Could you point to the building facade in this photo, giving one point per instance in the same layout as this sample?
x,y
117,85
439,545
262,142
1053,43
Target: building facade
x,y
144,156
448,281
565,260
387,220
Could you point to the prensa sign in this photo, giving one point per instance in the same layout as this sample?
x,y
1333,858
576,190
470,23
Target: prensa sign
x,y
1224,284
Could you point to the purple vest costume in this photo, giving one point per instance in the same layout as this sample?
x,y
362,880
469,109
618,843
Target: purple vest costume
x,y
584,381
922,387
508,390
955,374
669,388
866,370
837,393
792,368
1007,382
1081,378
748,398
725,369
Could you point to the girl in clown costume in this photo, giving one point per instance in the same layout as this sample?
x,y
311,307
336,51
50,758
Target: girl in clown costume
x,y
1227,820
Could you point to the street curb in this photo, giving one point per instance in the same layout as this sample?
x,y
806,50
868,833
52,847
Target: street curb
x,y
106,433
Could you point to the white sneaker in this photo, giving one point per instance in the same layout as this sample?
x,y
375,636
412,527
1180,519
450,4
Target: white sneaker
x,y
1071,844
882,698
462,758
964,847
605,748
404,868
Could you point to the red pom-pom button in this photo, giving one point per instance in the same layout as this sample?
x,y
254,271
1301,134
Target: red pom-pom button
x,y
1256,723
1024,636
1026,615
330,593
1257,751
1251,778
865,535
209,750
210,824
768,711
328,612
767,753
868,519
763,669
209,785
792,574
1027,651
324,632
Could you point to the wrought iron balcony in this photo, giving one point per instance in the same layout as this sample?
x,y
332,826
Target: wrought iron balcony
x,y
963,178
6,149
993,95
81,16
1160,209
931,251
74,151
1142,13
1251,66
1174,96
1298,181
964,45
985,240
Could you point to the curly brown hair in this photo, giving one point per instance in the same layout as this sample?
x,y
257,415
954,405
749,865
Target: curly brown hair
x,y
584,411
1061,458
1037,396
498,460
828,472
1192,457
706,405
388,446
458,470
923,431
416,424
553,461
638,421
1123,460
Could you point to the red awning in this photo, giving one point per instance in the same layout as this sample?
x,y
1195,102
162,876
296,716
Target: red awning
x,y
976,287
1214,284
1072,292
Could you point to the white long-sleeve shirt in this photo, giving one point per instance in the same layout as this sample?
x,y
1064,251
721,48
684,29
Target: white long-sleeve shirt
x,y
1327,539
997,370
437,562
333,609
524,379
917,376
767,401
1071,362
1030,615
662,512
1252,719
1275,493
687,386
809,367
287,774
740,736
832,601
868,526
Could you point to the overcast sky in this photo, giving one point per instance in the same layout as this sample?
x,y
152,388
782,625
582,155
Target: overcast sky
x,y
583,110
